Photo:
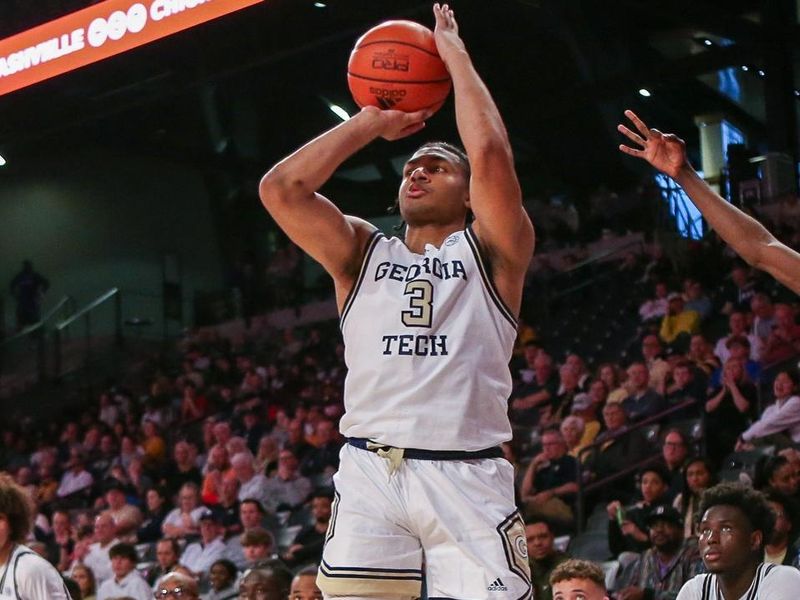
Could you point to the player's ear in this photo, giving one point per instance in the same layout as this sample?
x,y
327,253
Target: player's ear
x,y
756,539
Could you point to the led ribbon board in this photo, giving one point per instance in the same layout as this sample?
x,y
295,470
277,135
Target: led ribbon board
x,y
97,32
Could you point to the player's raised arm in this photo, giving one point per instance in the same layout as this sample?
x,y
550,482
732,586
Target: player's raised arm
x,y
289,190
495,197
749,238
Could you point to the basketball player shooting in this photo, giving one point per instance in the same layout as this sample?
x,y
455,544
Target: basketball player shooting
x,y
428,323
748,237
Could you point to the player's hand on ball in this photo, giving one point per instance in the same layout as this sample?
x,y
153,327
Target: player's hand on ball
x,y
396,124
665,151
446,32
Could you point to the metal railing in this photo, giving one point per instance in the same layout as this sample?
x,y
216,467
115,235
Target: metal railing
x,y
85,314
37,334
584,487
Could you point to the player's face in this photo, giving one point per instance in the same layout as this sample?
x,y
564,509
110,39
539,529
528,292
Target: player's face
x,y
304,587
578,589
726,539
433,189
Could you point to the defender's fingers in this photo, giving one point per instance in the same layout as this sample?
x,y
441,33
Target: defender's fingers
x,y
631,151
640,125
630,135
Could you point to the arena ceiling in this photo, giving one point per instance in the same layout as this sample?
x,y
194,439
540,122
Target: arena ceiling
x,y
236,94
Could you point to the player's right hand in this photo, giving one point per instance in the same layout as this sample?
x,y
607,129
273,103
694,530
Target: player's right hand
x,y
665,151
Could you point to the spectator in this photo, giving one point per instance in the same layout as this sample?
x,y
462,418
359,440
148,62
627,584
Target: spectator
x,y
684,388
776,473
627,526
729,409
779,549
697,477
612,376
658,369
586,407
527,398
127,517
198,556
780,422
156,510
127,582
180,470
763,316
666,565
251,484
167,556
228,507
176,585
307,544
83,576
222,577
194,405
76,479
183,521
655,308
296,440
266,460
304,585
739,348
251,516
578,364
702,356
252,430
153,445
324,458
98,558
550,483
265,584
783,342
574,579
60,543
258,545
674,451
643,401
572,429
741,290
28,288
679,323
217,469
287,488
697,300
542,556
560,406
737,324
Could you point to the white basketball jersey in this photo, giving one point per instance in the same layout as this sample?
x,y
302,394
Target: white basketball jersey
x,y
427,344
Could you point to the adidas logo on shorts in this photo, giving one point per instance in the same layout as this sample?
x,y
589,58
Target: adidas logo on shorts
x,y
497,586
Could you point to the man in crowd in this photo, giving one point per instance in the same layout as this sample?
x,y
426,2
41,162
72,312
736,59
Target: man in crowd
x,y
127,517
674,452
258,546
265,584
542,556
643,401
98,558
167,553
550,482
662,569
779,549
251,516
126,582
679,323
251,484
287,488
737,323
307,545
200,555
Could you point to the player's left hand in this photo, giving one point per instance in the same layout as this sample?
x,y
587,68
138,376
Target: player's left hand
x,y
445,33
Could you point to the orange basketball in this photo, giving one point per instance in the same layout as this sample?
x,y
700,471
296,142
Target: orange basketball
x,y
395,65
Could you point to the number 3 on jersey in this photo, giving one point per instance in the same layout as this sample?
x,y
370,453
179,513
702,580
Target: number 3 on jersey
x,y
421,304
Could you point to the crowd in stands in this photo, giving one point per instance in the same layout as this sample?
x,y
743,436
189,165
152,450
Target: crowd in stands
x,y
222,463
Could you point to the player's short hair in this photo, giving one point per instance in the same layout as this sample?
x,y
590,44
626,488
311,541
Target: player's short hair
x,y
752,503
17,507
578,569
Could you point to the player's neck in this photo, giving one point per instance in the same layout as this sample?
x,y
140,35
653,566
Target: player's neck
x,y
416,238
736,582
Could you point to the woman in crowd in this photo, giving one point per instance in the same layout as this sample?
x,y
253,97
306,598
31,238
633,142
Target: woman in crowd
x,y
156,509
84,577
729,409
779,424
698,476
612,376
776,473
222,577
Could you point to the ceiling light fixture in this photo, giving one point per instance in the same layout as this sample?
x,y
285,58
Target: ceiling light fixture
x,y
645,92
339,111
2,161
319,5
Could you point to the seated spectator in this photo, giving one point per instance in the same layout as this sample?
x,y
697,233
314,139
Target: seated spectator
x,y
613,377
776,473
643,401
702,356
739,348
559,407
194,405
586,407
251,516
126,582
779,548
156,509
258,545
674,451
780,423
550,483
729,409
528,398
252,430
542,557
668,563
654,309
176,585
627,525
763,313
324,457
287,488
296,439
98,558
618,448
579,366
574,579
657,368
698,476
228,507
684,388
304,585
103,459
307,545
83,576
76,481
266,460
697,300
60,542
127,517
783,342
529,353
271,583
183,521
217,469
181,469
198,556
737,325
222,577
251,484
740,291
168,552
679,323
572,429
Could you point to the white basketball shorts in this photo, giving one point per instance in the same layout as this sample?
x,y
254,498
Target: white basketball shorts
x,y
456,519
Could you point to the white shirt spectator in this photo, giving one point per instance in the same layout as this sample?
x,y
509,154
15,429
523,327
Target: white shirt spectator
x,y
99,562
722,352
255,488
198,558
777,418
286,491
174,516
132,585
72,482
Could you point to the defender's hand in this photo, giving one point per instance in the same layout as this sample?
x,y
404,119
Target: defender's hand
x,y
665,151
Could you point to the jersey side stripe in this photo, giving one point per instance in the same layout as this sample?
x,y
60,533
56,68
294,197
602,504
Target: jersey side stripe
x,y
487,280
371,243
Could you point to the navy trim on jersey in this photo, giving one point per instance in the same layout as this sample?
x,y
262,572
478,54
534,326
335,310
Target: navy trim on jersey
x,y
509,552
421,454
369,573
334,513
371,243
483,264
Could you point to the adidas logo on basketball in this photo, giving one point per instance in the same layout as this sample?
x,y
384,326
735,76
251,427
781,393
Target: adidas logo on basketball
x,y
497,586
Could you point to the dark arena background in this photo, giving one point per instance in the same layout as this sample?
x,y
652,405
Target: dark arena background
x,y
165,324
